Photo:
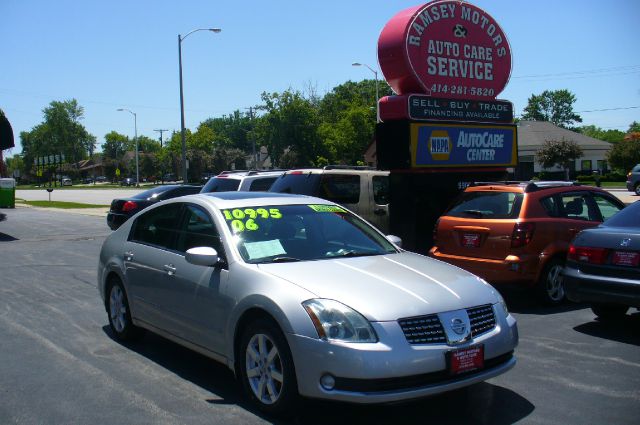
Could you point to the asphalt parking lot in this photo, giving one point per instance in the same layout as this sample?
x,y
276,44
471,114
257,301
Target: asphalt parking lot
x,y
59,363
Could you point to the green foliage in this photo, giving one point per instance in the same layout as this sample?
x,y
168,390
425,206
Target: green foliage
x,y
59,133
625,154
115,145
554,106
634,127
611,136
563,153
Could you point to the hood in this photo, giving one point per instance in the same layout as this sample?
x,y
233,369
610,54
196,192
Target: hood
x,y
388,287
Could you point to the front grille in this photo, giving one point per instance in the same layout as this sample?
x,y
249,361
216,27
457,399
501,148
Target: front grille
x,y
423,330
428,329
482,319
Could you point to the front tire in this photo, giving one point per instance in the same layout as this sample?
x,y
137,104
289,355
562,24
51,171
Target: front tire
x,y
551,284
637,190
119,313
266,368
609,311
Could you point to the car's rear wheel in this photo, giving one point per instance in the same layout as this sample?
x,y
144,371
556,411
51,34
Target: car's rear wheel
x,y
266,368
119,313
551,285
609,311
637,189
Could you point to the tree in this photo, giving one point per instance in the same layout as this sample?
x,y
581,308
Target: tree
x,y
289,124
59,133
562,153
611,136
634,127
115,145
553,106
625,154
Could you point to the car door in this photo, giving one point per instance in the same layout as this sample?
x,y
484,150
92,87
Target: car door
x,y
196,294
376,208
148,258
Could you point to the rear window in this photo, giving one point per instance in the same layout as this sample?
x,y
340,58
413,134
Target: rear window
x,y
220,184
152,193
300,184
261,184
340,188
491,205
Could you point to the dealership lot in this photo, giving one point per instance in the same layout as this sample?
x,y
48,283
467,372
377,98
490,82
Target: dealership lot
x,y
59,363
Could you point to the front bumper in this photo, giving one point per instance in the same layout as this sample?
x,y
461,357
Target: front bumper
x,y
513,269
393,370
583,287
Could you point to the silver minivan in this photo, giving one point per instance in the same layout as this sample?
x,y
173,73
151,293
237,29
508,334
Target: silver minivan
x,y
362,190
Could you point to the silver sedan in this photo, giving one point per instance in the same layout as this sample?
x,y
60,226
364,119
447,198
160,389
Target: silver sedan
x,y
298,296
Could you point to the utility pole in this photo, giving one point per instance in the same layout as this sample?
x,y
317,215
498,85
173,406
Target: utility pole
x,y
253,145
161,131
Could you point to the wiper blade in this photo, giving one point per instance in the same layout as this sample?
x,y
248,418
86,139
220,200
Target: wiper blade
x,y
477,213
284,260
357,254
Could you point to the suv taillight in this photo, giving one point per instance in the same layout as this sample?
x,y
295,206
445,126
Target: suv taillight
x,y
129,206
584,254
522,234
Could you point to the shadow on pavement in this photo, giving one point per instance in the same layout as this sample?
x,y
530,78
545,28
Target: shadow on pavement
x,y
625,330
6,238
483,403
524,301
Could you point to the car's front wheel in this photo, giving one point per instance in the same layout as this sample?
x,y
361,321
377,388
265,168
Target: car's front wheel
x,y
266,368
637,189
119,313
609,311
551,284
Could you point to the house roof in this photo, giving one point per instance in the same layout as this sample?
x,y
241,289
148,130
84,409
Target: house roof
x,y
533,134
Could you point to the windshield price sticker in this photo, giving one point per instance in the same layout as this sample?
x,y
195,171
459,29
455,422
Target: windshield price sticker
x,y
327,208
244,219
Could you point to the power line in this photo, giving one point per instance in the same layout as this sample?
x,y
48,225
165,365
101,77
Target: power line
x,y
609,109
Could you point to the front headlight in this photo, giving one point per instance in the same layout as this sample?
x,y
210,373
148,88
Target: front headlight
x,y
335,321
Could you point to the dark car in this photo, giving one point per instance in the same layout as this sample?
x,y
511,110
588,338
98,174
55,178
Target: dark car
x,y
633,180
129,181
122,209
603,265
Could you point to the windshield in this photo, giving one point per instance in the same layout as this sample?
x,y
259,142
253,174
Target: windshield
x,y
282,233
221,184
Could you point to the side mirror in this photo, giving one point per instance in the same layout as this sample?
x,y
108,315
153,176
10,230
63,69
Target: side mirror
x,y
395,240
202,256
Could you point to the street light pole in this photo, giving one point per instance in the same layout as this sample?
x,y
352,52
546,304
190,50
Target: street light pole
x,y
135,138
375,73
182,130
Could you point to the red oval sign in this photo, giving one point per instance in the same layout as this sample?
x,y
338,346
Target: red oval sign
x,y
445,48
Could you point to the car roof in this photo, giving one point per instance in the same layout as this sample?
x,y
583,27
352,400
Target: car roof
x,y
335,169
238,199
240,174
527,186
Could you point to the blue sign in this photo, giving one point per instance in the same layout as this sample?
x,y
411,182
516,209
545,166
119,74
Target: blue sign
x,y
463,145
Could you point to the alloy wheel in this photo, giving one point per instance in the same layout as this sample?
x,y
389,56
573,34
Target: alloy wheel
x,y
117,308
264,369
555,285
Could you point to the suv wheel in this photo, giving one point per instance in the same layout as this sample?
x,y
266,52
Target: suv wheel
x,y
551,284
609,311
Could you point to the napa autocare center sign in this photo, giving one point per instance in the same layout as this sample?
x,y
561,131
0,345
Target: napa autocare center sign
x,y
462,145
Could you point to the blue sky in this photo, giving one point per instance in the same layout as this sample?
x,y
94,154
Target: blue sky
x,y
124,54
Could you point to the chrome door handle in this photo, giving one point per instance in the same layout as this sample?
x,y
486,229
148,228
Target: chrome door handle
x,y
128,255
170,269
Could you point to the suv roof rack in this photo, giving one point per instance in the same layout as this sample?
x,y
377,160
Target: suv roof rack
x,y
533,186
347,167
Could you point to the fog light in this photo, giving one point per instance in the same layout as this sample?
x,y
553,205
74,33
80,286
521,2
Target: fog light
x,y
328,382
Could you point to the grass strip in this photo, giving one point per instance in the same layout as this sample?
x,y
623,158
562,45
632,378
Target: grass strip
x,y
62,205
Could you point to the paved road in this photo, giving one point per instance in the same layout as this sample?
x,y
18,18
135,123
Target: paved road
x,y
59,364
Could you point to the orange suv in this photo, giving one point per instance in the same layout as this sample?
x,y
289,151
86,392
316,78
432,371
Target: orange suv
x,y
519,232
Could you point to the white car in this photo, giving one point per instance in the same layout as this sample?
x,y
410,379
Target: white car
x,y
299,296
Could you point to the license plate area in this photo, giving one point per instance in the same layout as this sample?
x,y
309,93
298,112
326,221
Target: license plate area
x,y
626,258
470,240
465,360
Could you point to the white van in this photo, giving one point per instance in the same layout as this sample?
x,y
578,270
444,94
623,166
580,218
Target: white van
x,y
363,190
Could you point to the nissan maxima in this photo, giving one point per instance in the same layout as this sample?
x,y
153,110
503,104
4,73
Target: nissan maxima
x,y
300,297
